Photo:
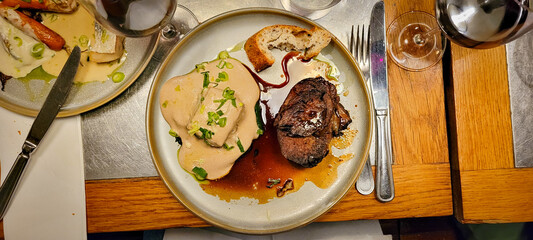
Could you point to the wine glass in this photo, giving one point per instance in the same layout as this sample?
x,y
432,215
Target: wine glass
x,y
417,40
312,9
138,18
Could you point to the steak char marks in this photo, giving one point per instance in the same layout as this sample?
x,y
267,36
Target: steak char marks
x,y
309,118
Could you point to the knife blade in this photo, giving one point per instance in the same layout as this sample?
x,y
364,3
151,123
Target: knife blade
x,y
380,93
54,101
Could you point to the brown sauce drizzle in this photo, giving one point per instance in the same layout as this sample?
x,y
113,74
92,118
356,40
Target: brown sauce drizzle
x,y
250,174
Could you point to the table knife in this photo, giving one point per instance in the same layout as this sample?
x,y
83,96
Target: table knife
x,y
55,99
380,93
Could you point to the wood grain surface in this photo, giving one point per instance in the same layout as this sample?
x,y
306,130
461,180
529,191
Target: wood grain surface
x,y
145,203
421,171
482,114
486,186
497,195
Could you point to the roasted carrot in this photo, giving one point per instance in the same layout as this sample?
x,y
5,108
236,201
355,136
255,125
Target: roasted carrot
x,y
32,28
61,6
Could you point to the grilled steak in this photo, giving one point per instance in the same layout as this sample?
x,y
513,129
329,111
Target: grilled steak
x,y
309,118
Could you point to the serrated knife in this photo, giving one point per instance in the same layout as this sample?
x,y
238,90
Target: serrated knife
x,y
380,93
55,99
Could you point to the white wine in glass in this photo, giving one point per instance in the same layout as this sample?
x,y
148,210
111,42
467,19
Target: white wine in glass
x,y
417,40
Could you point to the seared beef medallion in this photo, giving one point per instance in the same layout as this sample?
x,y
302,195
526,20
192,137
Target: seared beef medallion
x,y
309,118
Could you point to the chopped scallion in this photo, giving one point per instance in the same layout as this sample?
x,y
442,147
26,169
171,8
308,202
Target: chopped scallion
x,y
172,133
227,147
206,79
239,144
223,55
118,77
37,51
222,122
199,173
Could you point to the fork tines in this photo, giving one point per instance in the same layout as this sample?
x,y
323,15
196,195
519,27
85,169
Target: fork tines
x,y
360,47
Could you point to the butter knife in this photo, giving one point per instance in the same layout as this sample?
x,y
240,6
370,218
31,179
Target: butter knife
x,y
380,91
55,99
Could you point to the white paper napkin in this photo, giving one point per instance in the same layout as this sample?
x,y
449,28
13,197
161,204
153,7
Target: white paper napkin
x,y
50,200
361,230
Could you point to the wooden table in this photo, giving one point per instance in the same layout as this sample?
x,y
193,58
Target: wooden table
x,y
487,187
421,170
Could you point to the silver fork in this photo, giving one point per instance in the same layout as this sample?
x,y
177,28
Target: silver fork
x,y
360,49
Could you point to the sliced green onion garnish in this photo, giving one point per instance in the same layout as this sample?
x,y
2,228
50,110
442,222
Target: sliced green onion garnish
x,y
206,79
172,133
223,55
194,128
222,77
229,65
222,122
206,134
19,41
199,173
117,77
199,67
227,147
165,103
84,41
221,64
239,144
37,51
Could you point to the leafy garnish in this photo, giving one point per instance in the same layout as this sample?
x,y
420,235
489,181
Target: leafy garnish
x,y
227,94
227,147
259,119
206,133
239,144
273,182
206,79
195,127
222,77
199,173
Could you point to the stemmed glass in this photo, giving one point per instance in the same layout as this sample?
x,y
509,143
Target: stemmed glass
x,y
417,40
138,18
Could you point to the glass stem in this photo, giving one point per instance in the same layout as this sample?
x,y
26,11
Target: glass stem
x,y
420,38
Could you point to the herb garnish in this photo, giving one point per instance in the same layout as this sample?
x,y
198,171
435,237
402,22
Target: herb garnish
x,y
273,182
206,79
239,144
199,173
206,134
227,147
214,118
227,94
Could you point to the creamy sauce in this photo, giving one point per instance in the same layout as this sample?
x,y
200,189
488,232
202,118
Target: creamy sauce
x,y
78,29
250,175
180,98
20,46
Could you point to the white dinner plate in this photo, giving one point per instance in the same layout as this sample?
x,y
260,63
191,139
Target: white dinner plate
x,y
246,215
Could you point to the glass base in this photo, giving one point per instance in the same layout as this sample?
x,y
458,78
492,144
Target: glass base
x,y
414,41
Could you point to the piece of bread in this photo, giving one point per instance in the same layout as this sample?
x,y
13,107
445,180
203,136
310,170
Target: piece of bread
x,y
284,37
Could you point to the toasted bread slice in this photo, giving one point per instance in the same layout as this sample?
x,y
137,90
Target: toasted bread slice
x,y
287,38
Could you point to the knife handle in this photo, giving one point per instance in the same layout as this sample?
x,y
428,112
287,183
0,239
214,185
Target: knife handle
x,y
384,179
13,177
